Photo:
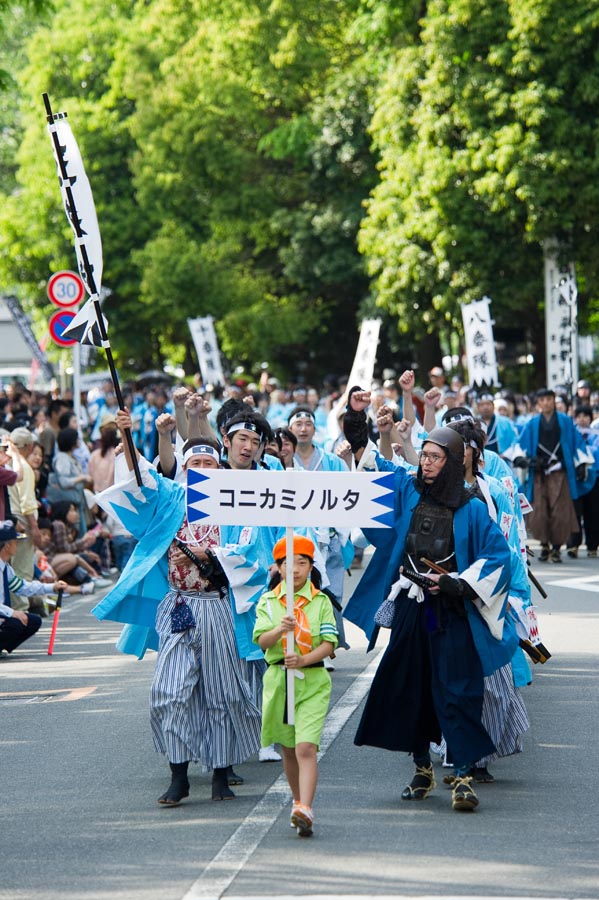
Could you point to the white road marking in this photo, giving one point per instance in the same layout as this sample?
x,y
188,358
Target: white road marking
x,y
582,583
389,897
228,862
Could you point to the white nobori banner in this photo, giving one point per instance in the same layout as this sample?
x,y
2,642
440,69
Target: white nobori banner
x,y
290,498
480,343
365,358
206,344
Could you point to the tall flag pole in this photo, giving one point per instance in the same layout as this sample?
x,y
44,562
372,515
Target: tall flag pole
x,y
89,325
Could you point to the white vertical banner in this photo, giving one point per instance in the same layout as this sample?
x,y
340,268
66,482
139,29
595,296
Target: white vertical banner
x,y
480,343
363,366
206,344
561,321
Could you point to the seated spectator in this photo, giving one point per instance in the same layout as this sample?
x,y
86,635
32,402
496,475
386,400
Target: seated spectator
x,y
65,540
71,567
66,480
97,524
41,473
16,625
81,452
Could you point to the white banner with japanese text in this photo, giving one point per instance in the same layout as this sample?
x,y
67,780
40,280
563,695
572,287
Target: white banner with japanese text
x,y
290,498
480,343
365,358
206,344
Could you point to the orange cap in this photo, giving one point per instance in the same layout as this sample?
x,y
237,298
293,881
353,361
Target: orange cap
x,y
303,546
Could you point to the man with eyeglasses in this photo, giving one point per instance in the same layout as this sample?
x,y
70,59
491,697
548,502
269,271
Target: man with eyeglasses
x,y
447,631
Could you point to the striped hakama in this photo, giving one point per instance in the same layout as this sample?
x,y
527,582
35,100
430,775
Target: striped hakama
x,y
201,706
504,714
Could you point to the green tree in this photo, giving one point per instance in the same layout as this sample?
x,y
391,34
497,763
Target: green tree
x,y
486,132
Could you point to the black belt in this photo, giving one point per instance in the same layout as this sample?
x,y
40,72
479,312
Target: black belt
x,y
316,665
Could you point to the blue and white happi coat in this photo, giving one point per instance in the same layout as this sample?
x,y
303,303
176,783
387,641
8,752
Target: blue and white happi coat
x,y
574,453
153,514
483,560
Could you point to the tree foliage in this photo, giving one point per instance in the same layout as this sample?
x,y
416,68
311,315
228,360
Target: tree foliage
x,y
487,134
286,167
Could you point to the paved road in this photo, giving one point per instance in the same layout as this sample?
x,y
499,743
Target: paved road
x,y
80,781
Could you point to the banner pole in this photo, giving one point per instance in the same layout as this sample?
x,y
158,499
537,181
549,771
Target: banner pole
x,y
290,636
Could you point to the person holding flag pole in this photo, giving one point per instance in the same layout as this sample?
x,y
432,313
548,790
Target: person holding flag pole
x,y
296,630
89,325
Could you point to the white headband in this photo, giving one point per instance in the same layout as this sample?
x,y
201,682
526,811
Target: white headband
x,y
246,426
303,414
201,450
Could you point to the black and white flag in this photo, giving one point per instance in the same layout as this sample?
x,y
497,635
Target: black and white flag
x,y
79,206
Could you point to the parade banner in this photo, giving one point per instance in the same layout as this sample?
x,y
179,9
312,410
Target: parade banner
x,y
363,366
480,343
290,498
89,325
561,321
22,322
206,345
79,206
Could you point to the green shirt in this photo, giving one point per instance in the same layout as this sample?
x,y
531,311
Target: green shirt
x,y
318,610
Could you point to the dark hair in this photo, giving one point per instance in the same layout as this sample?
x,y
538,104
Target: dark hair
x,y
67,439
66,417
254,418
55,405
301,408
230,408
196,442
60,510
44,523
286,433
583,410
108,438
315,576
471,432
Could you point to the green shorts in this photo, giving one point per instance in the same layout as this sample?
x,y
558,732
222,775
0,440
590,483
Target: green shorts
x,y
312,696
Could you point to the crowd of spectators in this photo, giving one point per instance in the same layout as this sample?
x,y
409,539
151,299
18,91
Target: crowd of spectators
x,y
53,462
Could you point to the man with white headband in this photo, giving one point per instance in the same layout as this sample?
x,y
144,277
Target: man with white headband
x,y
176,596
245,436
333,543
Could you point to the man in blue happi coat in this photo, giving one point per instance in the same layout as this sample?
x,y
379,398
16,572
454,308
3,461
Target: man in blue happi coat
x,y
560,469
189,591
446,636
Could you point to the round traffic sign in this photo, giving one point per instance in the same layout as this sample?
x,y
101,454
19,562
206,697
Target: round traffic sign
x,y
59,322
65,289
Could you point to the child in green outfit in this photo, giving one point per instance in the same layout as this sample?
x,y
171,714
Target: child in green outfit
x,y
315,637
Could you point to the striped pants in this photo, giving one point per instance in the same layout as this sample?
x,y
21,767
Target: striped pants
x,y
504,714
201,705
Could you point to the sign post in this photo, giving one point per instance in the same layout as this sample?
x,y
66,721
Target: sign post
x,y
58,324
290,498
66,290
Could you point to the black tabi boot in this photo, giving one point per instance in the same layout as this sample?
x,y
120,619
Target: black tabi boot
x,y
220,786
233,777
179,786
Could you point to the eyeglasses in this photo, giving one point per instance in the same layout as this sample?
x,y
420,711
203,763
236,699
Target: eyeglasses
x,y
430,457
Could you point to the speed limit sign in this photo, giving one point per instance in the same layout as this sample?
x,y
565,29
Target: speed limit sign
x,y
65,289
